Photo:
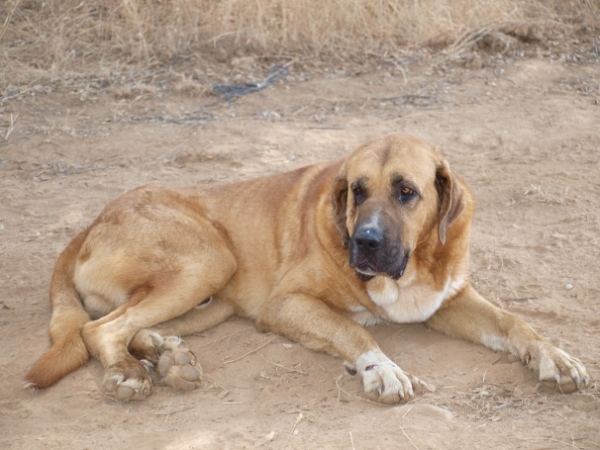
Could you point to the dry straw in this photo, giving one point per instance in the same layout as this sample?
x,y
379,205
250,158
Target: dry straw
x,y
57,36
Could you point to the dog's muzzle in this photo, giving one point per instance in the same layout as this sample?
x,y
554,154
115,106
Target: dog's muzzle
x,y
372,254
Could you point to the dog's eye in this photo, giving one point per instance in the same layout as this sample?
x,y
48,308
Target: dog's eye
x,y
406,194
359,194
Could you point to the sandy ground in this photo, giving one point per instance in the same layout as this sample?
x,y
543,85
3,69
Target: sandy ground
x,y
524,134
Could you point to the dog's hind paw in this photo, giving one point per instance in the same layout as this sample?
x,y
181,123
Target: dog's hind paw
x,y
177,365
128,381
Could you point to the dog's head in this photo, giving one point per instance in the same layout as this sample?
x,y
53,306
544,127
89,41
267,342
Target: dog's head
x,y
390,194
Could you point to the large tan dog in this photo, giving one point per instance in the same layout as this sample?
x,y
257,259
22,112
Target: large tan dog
x,y
313,255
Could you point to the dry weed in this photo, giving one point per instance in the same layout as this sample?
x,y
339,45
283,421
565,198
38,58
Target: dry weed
x,y
45,40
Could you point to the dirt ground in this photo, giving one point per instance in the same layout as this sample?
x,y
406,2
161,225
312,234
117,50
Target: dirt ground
x,y
524,133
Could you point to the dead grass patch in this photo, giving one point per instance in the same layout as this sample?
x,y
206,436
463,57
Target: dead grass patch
x,y
45,40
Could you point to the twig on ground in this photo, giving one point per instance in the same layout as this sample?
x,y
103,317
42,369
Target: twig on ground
x,y
298,420
289,369
407,412
519,299
251,351
408,437
226,336
11,127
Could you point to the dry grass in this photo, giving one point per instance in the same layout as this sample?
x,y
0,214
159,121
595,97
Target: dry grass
x,y
58,37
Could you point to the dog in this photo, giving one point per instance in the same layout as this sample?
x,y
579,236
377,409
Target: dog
x,y
314,255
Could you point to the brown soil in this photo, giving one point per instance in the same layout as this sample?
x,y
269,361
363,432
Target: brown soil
x,y
522,132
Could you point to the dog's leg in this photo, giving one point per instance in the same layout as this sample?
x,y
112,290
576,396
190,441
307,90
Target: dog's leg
x,y
162,346
312,323
469,316
201,318
107,338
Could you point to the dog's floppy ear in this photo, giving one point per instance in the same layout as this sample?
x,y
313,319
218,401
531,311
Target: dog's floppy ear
x,y
452,201
339,198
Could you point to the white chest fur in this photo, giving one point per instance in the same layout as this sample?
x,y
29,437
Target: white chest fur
x,y
410,301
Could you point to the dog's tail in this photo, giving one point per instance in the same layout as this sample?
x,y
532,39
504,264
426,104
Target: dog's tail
x,y
68,351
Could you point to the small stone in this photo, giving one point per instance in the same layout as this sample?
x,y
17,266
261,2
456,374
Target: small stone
x,y
569,286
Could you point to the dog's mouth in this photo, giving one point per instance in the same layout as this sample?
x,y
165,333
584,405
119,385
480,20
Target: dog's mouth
x,y
364,275
365,272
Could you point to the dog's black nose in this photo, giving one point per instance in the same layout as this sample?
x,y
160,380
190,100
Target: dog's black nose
x,y
368,238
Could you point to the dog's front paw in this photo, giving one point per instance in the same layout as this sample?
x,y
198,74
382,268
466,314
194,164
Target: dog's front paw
x,y
385,380
557,369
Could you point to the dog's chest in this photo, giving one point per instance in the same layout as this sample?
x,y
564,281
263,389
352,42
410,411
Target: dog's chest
x,y
411,302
